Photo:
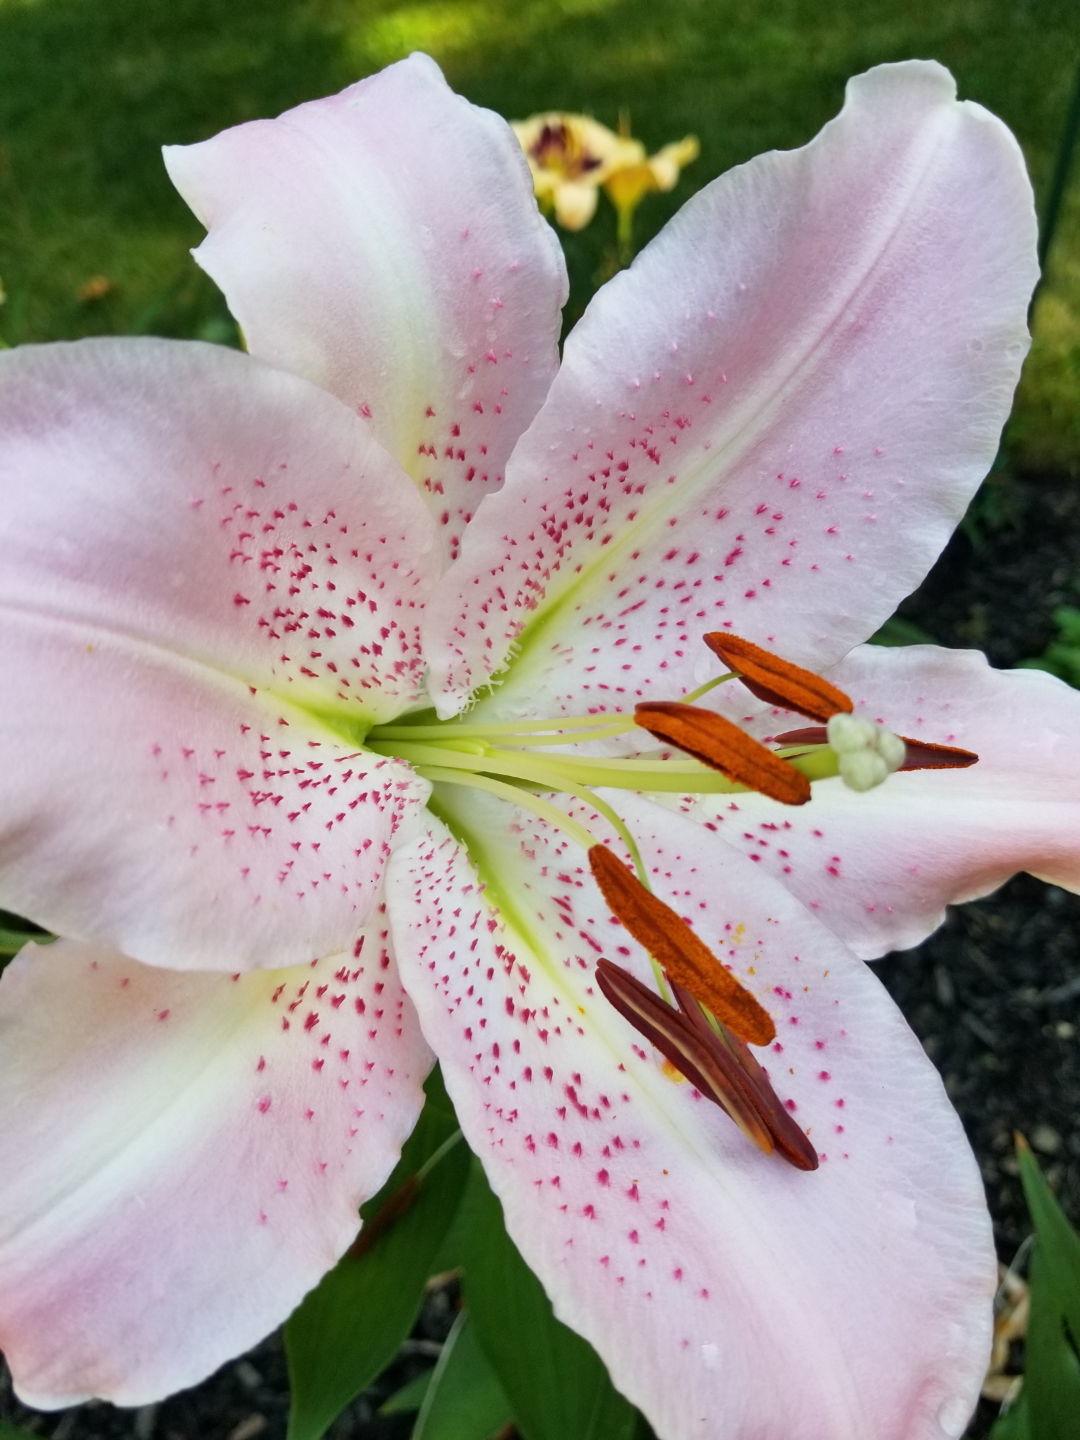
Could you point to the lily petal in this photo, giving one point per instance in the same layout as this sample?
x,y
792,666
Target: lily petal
x,y
771,422
880,868
184,1155
727,1292
386,244
193,542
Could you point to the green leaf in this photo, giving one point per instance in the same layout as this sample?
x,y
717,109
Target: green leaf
x,y
1051,1370
464,1400
554,1380
14,937
1056,1241
1014,1424
352,1324
1051,1394
410,1396
12,1432
898,631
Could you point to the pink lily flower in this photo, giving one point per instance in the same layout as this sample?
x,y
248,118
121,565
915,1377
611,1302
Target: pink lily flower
x,y
248,602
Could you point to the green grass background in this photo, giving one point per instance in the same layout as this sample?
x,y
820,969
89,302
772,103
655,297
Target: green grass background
x,y
89,89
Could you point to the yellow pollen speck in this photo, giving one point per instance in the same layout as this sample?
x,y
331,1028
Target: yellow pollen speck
x,y
739,933
672,1074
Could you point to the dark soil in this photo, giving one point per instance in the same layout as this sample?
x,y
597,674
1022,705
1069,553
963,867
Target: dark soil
x,y
994,995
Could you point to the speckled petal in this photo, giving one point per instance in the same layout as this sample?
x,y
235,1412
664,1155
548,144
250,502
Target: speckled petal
x,y
729,1293
184,1155
194,544
771,422
385,243
880,868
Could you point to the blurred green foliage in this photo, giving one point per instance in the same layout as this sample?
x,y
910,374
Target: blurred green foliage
x,y
93,239
1062,656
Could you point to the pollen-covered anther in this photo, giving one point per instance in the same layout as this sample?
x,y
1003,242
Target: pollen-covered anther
x,y
720,744
867,752
684,958
712,1059
776,681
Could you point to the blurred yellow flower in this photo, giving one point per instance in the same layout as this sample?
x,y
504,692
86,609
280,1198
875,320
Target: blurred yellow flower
x,y
572,156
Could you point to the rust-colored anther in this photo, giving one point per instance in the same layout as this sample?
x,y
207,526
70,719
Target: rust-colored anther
x,y
777,681
920,754
715,741
789,1138
684,957
718,1064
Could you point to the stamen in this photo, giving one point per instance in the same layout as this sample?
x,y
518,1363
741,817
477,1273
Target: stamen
x,y
927,755
552,772
919,754
789,1138
516,795
716,742
777,681
451,729
684,958
718,1064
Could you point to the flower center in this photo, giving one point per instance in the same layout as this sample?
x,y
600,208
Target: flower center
x,y
560,147
701,1018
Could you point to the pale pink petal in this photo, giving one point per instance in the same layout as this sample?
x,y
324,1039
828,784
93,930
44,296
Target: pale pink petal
x,y
771,422
385,243
880,868
193,543
190,497
728,1293
184,1155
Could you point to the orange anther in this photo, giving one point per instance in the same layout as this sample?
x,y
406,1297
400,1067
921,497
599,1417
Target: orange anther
x,y
777,681
684,957
715,741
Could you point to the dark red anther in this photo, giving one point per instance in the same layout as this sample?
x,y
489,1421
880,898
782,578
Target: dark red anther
x,y
712,1059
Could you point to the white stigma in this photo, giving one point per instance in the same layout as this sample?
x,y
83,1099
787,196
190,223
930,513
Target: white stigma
x,y
866,751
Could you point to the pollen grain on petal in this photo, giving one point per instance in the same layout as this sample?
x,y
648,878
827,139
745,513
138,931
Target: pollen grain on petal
x,y
777,681
717,742
684,957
